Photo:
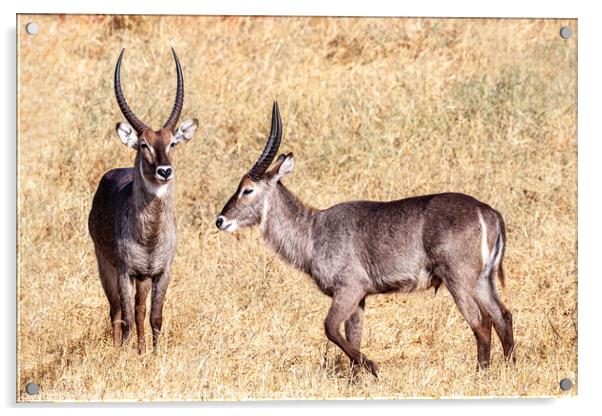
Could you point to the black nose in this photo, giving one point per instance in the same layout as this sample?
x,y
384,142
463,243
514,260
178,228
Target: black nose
x,y
219,222
164,173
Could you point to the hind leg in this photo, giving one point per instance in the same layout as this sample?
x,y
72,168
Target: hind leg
x,y
500,315
484,347
461,276
480,325
479,322
504,331
108,279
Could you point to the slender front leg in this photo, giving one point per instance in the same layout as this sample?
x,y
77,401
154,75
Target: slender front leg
x,y
160,284
345,302
353,330
142,289
117,324
127,304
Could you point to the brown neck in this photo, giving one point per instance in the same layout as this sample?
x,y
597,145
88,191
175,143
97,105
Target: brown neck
x,y
287,226
150,209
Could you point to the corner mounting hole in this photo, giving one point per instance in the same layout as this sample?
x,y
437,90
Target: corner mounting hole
x,y
32,28
566,384
565,32
32,389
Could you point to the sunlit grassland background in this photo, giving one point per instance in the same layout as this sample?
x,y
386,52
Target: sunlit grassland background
x,y
373,108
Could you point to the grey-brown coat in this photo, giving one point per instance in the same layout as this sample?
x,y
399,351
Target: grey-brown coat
x,y
360,248
132,221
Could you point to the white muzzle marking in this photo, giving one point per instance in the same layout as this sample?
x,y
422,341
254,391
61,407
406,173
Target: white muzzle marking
x,y
165,168
229,225
158,190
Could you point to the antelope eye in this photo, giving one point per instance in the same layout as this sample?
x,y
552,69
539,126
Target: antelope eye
x,y
143,146
173,144
247,191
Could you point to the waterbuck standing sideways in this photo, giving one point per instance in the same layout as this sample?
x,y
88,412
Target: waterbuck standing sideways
x,y
132,221
360,248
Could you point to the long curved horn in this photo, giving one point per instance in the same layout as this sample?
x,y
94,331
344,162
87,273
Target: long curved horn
x,y
138,125
271,147
177,107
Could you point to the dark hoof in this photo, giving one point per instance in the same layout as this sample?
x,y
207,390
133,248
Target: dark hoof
x,y
372,367
483,366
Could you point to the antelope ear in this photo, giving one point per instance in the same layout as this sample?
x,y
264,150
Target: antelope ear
x,y
127,135
283,166
186,130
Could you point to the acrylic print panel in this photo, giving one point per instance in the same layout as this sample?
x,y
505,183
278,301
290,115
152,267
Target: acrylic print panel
x,y
373,109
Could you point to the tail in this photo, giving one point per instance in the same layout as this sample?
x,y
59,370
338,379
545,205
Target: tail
x,y
500,274
494,264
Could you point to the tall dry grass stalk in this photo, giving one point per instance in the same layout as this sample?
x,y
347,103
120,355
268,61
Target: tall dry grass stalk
x,y
373,109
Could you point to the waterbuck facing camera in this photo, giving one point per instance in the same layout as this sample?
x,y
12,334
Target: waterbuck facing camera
x,y
132,223
360,248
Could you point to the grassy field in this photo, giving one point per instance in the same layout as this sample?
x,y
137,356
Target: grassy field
x,y
373,109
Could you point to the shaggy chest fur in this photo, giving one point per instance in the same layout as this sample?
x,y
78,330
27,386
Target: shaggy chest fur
x,y
149,239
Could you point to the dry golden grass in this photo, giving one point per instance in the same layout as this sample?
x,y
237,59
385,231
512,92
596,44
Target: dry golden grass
x,y
373,109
